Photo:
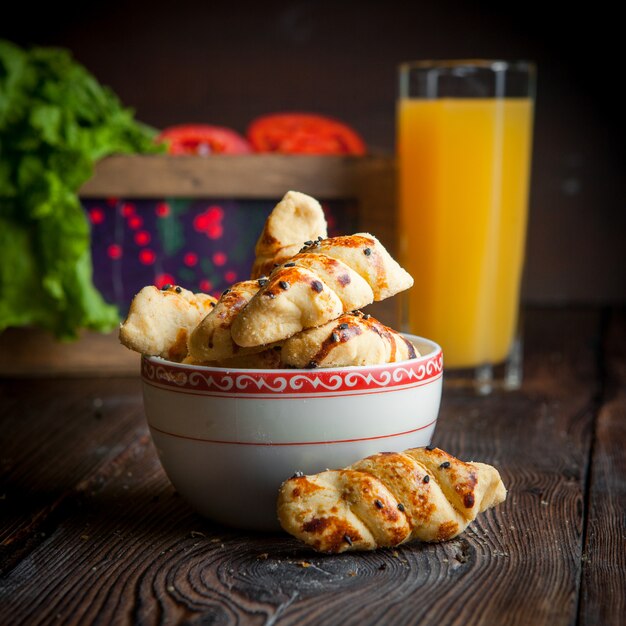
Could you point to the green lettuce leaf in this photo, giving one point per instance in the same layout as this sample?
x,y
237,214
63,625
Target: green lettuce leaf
x,y
56,121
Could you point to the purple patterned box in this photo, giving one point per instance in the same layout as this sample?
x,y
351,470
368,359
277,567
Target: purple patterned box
x,y
200,244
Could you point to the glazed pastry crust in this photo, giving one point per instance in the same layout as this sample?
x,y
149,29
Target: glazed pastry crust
x,y
326,279
352,339
159,321
295,219
388,499
211,340
383,273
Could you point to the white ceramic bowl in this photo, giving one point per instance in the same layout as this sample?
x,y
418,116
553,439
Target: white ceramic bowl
x,y
227,439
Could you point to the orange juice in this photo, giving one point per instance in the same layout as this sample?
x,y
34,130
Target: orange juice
x,y
464,178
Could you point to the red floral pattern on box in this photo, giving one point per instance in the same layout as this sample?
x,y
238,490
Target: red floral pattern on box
x,y
200,244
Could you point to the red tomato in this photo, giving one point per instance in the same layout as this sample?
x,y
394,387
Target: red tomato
x,y
303,133
202,140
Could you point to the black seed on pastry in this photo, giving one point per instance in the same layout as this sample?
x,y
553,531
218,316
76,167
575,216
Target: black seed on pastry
x,y
166,287
308,243
311,365
317,286
213,304
445,465
269,294
284,284
430,447
347,539
379,504
426,478
367,251
343,326
263,281
366,316
320,238
401,507
178,290
225,292
334,337
289,265
298,474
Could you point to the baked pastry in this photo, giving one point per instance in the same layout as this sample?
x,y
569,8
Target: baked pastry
x,y
354,338
295,219
211,339
327,278
369,258
387,499
159,321
267,359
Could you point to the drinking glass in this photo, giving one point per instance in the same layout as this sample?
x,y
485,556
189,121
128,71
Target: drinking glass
x,y
464,157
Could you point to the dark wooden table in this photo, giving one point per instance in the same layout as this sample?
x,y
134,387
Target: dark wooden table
x,y
92,532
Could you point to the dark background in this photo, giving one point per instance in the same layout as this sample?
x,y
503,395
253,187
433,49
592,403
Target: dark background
x,y
226,63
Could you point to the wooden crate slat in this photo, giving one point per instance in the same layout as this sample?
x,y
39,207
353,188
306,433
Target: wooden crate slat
x,y
241,176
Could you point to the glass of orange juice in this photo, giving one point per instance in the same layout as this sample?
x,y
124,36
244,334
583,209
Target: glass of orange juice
x,y
464,153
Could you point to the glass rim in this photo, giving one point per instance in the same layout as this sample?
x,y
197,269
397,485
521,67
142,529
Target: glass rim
x,y
496,65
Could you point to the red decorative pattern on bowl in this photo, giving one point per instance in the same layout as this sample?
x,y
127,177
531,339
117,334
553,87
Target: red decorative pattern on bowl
x,y
291,383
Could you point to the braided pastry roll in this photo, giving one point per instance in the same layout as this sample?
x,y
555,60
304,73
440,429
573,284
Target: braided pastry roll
x,y
387,499
326,279
352,339
295,219
159,321
211,339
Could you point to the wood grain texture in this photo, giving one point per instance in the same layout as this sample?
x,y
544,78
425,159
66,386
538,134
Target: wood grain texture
x,y
126,549
234,176
27,352
56,436
603,592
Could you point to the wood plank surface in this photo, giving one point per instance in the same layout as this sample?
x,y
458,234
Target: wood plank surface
x,y
124,548
603,593
27,352
56,436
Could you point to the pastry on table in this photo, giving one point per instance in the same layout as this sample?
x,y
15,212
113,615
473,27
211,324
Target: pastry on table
x,y
211,340
295,219
159,321
354,338
326,279
388,499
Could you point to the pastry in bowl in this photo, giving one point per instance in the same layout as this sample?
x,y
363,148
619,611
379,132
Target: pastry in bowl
x,y
211,340
354,338
295,219
159,321
326,279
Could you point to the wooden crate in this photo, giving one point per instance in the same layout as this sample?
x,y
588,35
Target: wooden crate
x,y
369,181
